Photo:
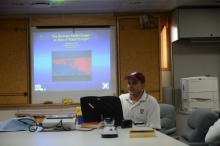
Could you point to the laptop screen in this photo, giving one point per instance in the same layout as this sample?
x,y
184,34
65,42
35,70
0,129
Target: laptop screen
x,y
95,109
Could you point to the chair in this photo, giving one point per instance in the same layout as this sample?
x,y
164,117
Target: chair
x,y
168,119
213,135
198,124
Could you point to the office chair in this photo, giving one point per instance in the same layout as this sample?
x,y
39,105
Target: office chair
x,y
198,124
168,119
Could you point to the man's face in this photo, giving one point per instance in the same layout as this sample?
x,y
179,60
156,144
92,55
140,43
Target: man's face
x,y
135,87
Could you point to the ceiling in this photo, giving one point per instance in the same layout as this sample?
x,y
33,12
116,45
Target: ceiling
x,y
28,7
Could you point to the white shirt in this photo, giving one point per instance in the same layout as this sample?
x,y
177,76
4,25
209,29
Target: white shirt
x,y
213,135
146,110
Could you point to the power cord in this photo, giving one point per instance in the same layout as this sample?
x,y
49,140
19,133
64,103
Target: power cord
x,y
23,120
59,125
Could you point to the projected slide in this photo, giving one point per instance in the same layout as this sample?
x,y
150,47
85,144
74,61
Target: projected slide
x,y
71,66
71,59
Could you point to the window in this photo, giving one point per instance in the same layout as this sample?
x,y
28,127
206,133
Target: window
x,y
165,50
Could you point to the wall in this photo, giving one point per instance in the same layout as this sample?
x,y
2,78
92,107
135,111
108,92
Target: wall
x,y
167,87
193,59
167,79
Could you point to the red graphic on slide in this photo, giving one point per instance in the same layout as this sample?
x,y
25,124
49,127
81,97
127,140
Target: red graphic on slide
x,y
81,64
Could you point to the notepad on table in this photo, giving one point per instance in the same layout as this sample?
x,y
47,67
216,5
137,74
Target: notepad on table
x,y
136,132
89,125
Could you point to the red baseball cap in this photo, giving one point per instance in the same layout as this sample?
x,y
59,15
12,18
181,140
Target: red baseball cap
x,y
136,76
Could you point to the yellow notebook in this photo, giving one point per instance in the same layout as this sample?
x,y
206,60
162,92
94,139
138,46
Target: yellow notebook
x,y
78,111
89,125
135,133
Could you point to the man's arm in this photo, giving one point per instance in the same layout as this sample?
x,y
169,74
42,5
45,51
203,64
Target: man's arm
x,y
153,117
213,134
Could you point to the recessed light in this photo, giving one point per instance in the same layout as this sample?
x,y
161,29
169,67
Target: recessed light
x,y
41,4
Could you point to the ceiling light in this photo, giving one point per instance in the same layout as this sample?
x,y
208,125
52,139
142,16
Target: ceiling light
x,y
41,4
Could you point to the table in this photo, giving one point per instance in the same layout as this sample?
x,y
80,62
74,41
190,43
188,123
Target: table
x,y
39,115
43,113
83,138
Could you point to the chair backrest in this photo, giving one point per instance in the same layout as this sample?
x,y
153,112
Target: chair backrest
x,y
168,118
198,124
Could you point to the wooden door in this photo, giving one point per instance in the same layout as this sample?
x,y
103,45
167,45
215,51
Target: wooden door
x,y
139,51
14,61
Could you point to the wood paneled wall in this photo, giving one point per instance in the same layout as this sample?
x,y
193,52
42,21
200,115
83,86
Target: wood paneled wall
x,y
14,72
139,51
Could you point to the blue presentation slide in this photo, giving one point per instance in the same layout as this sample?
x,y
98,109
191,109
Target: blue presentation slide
x,y
76,59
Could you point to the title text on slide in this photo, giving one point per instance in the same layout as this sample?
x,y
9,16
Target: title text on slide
x,y
72,37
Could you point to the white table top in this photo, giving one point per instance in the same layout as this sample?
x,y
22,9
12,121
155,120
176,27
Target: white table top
x,y
82,138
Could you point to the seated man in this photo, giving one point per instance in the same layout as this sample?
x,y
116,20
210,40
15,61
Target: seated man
x,y
139,106
213,135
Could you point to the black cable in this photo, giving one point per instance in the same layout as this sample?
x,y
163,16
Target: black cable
x,y
31,130
57,125
35,124
69,129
